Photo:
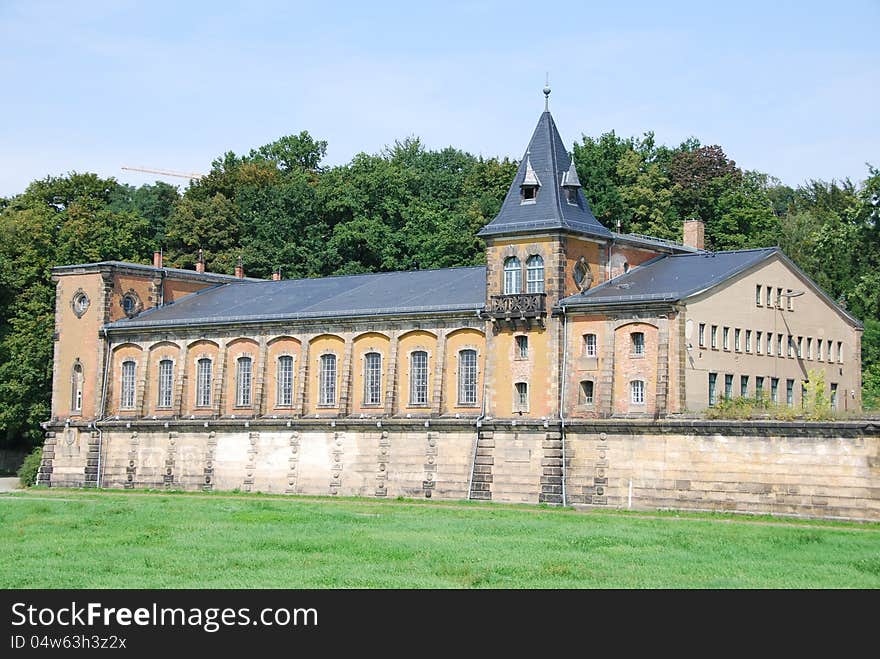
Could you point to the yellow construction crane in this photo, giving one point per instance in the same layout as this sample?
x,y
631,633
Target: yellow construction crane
x,y
165,172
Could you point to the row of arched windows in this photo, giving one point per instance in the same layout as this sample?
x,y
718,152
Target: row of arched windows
x,y
513,275
419,379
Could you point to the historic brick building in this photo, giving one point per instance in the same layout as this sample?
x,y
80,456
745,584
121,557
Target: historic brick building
x,y
567,321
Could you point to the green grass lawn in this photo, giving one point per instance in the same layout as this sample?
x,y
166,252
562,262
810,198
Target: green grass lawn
x,y
75,539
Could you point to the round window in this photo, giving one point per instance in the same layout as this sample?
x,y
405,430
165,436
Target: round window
x,y
131,304
128,304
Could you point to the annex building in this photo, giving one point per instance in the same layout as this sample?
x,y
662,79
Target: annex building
x,y
460,382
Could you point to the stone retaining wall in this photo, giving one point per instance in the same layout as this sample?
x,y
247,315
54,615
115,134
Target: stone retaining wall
x,y
827,470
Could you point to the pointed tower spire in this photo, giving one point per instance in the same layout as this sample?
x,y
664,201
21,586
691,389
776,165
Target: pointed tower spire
x,y
531,178
570,178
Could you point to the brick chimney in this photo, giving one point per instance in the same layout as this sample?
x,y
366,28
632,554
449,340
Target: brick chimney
x,y
200,261
239,269
695,234
157,259
276,276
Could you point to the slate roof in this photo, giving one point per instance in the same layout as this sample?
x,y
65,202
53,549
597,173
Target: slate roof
x,y
671,277
549,159
410,292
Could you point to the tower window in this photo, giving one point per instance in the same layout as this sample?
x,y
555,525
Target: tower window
x,y
522,347
591,348
535,274
512,276
571,196
529,192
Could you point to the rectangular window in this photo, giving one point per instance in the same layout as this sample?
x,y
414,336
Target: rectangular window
x,y
418,378
702,335
789,299
769,296
833,395
522,347
327,381
789,393
637,388
203,383
770,343
372,379
774,390
803,395
748,340
467,378
758,295
779,351
800,347
243,382
522,397
736,339
725,338
759,387
591,347
728,386
759,337
778,298
714,337
830,350
284,380
790,346
713,380
809,348
819,349
638,343
744,386
166,382
127,399
840,352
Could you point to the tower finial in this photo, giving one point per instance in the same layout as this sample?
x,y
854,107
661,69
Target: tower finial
x,y
547,92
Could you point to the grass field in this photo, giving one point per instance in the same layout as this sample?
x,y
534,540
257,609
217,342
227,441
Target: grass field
x,y
75,539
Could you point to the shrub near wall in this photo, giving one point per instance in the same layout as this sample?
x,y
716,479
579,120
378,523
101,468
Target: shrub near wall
x,y
28,471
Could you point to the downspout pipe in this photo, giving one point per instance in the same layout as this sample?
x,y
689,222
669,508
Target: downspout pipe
x,y
101,412
562,399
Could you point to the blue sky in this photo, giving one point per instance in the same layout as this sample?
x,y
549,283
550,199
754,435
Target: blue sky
x,y
788,88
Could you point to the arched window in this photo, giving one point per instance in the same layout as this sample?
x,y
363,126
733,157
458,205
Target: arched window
x,y
203,382
512,276
586,393
243,373
372,378
166,382
126,398
418,378
637,392
76,392
327,381
535,274
638,343
467,378
284,381
591,346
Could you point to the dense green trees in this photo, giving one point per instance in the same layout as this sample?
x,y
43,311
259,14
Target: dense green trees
x,y
406,207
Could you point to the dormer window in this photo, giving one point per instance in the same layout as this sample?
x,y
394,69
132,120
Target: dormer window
x,y
571,184
531,183
571,195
